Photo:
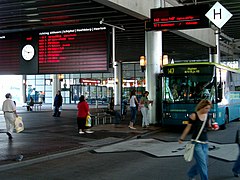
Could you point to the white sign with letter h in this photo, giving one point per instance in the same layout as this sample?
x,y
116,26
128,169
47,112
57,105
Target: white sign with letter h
x,y
218,14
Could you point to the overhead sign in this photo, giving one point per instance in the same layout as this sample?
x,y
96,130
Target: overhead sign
x,y
181,17
218,14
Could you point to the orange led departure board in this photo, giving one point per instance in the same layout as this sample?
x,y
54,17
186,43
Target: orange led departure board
x,y
181,17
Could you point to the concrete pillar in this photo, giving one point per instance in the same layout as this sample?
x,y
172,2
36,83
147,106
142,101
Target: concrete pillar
x,y
153,50
153,53
216,57
56,85
24,89
117,87
117,83
210,55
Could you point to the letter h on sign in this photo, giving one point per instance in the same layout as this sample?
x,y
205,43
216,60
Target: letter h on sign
x,y
215,14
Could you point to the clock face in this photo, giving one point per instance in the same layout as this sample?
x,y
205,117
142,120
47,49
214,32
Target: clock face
x,y
28,52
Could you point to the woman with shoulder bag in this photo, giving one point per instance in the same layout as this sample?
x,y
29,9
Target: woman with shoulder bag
x,y
200,155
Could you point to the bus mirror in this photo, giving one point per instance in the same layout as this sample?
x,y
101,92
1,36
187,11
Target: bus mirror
x,y
219,97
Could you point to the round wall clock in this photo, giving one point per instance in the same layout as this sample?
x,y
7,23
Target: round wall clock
x,y
28,52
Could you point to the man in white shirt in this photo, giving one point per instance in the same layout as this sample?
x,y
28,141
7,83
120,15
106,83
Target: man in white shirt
x,y
10,114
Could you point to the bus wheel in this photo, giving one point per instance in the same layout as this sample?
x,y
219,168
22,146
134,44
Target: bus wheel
x,y
226,120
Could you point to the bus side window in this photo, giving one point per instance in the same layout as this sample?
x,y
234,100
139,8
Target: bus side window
x,y
219,96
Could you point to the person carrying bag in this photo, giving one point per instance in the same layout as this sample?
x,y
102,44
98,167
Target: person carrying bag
x,y
197,122
189,149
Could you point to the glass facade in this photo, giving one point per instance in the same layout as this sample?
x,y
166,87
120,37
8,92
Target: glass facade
x,y
96,87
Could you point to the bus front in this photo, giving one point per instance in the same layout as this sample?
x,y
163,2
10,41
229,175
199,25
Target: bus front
x,y
184,85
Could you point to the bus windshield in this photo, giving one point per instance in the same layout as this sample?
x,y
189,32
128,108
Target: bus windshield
x,y
189,89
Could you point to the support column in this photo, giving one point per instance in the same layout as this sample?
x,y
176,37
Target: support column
x,y
24,88
153,53
55,86
117,72
210,55
119,82
216,57
153,48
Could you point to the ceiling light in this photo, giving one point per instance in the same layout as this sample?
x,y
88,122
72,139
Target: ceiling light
x,y
33,20
29,2
29,15
30,9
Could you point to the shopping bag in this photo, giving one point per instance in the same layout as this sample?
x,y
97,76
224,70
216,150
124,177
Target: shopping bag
x,y
88,121
189,150
19,126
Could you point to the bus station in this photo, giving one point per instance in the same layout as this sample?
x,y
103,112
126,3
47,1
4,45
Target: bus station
x,y
174,49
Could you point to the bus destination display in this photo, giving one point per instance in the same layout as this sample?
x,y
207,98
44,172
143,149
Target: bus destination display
x,y
73,50
181,17
180,70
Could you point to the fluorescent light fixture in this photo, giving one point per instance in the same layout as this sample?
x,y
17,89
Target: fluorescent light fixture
x,y
33,20
29,2
30,9
30,15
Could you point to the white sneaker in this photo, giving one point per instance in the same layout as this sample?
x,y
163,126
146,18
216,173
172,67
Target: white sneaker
x,y
81,132
132,127
89,131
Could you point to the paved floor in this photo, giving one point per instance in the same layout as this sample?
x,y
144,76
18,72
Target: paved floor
x,y
227,152
46,137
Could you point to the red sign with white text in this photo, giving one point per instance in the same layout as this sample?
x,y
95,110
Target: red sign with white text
x,y
181,17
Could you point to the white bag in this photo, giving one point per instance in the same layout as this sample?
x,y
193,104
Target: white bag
x,y
189,150
60,109
19,124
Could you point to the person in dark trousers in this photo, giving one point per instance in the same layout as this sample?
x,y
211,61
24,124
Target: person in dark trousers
x,y
133,108
57,104
30,104
236,166
111,111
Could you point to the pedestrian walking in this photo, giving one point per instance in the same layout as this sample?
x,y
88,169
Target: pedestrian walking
x,y
133,108
196,120
57,104
83,112
236,166
144,103
10,114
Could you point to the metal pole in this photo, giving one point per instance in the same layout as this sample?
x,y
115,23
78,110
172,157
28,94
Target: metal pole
x,y
114,66
217,56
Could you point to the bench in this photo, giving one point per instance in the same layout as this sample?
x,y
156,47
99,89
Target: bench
x,y
100,116
37,106
103,118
